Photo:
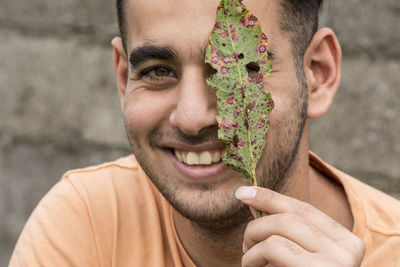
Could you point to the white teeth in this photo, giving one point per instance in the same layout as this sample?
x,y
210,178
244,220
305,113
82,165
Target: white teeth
x,y
183,157
178,156
205,158
198,158
192,158
216,156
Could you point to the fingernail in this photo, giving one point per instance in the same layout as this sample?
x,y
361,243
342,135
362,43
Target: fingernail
x,y
253,212
246,192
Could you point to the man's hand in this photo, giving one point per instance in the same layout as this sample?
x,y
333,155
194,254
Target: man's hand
x,y
295,234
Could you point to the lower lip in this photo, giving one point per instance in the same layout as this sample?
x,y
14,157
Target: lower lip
x,y
197,171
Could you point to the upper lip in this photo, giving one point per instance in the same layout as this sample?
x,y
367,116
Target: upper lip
x,y
216,145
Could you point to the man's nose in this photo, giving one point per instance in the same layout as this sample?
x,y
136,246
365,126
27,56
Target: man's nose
x,y
196,106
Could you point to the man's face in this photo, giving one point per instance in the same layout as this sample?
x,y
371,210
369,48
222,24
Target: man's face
x,y
170,111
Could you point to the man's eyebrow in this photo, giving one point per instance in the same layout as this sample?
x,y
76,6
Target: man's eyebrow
x,y
151,51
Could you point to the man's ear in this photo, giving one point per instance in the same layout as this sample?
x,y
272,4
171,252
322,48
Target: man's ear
x,y
120,68
322,61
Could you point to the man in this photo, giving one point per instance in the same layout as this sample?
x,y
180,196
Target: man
x,y
174,203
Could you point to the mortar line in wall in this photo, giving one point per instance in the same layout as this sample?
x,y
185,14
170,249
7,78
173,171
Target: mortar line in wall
x,y
37,140
87,37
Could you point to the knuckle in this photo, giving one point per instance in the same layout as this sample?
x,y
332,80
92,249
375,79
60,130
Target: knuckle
x,y
305,209
250,228
250,236
359,244
349,260
287,219
265,196
254,257
272,242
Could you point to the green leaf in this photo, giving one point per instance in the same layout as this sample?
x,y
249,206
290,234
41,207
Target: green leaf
x,y
237,49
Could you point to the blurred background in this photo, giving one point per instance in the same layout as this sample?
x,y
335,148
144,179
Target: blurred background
x,y
59,108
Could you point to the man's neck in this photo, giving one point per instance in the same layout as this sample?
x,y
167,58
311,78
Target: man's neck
x,y
208,248
329,196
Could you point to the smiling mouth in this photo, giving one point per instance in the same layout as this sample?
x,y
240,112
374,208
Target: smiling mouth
x,y
198,158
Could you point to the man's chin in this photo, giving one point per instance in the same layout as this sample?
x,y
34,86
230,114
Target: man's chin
x,y
213,214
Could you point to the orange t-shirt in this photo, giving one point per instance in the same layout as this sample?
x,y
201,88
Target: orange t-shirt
x,y
112,215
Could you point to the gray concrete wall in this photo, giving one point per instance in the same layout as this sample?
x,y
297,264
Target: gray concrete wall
x,y
59,108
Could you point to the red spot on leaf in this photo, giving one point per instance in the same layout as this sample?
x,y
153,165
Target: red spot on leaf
x,y
224,35
224,70
260,78
235,55
264,37
235,37
237,112
261,50
226,60
218,25
241,143
225,125
230,101
238,158
214,60
261,123
252,22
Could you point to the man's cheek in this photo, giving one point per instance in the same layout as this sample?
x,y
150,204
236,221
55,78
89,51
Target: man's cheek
x,y
137,121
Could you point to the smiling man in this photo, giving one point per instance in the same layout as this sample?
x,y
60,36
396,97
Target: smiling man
x,y
174,203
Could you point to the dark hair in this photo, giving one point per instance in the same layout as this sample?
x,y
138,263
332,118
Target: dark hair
x,y
299,19
121,24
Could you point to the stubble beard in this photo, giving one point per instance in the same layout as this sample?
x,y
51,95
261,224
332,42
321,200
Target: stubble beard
x,y
209,210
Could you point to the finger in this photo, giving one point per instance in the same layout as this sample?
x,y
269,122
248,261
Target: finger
x,y
292,227
272,202
276,250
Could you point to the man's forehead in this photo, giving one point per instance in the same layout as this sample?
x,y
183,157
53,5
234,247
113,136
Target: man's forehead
x,y
182,22
177,10
168,5
174,24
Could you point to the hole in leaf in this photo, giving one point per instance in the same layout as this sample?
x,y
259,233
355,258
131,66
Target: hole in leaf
x,y
253,69
235,141
241,56
239,9
223,44
210,71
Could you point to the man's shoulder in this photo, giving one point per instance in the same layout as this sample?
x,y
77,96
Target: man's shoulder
x,y
376,221
122,178
372,209
382,211
122,170
125,163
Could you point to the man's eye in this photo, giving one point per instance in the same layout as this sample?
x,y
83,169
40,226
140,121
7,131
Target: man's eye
x,y
158,74
161,72
155,75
